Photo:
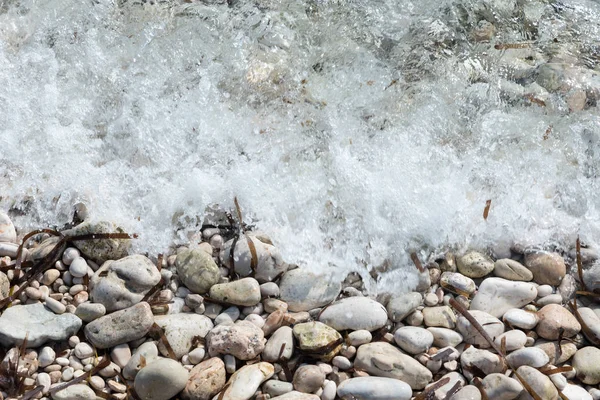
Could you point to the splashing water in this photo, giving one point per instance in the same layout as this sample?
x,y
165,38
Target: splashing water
x,y
353,132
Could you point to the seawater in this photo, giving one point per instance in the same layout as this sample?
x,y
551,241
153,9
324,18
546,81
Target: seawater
x,y
353,132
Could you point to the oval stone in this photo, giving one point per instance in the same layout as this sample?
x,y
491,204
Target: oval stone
x,y
512,270
302,290
474,264
374,388
244,382
587,364
197,270
120,327
413,340
492,325
553,318
547,268
243,292
161,380
496,296
400,307
518,318
355,313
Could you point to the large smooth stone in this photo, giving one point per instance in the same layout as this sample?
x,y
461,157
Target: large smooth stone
x,y
244,292
302,290
474,264
532,356
501,387
40,323
492,325
355,313
123,283
553,318
547,268
374,388
539,382
246,381
400,307
383,359
243,340
587,364
75,392
522,319
197,270
206,380
180,330
100,249
496,296
413,340
161,380
512,270
484,360
148,351
281,337
444,337
7,229
120,327
269,264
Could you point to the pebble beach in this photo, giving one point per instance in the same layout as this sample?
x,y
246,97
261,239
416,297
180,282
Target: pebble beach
x,y
84,319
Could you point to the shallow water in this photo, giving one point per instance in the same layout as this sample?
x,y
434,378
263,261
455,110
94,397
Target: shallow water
x,y
353,132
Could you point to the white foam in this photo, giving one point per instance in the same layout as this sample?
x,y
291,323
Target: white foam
x,y
151,110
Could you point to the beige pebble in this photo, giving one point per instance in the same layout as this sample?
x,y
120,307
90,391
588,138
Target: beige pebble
x,y
50,276
552,318
116,386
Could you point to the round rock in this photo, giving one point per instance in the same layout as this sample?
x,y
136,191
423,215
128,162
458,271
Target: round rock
x,y
308,378
355,313
303,291
587,364
161,380
413,340
197,270
474,264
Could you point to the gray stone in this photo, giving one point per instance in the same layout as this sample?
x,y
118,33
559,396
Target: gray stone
x,y
484,360
197,270
444,337
277,388
243,340
374,388
148,351
161,380
180,330
7,229
383,359
401,306
304,291
75,392
496,296
243,292
355,313
492,325
123,283
413,340
120,327
90,311
512,270
101,249
41,324
269,264
281,337
501,387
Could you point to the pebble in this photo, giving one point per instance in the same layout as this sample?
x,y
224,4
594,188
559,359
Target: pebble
x,y
269,289
277,388
244,382
374,388
532,356
383,359
303,291
484,360
269,264
497,295
4,285
69,255
441,316
243,340
539,382
7,229
444,337
550,299
522,319
120,326
160,380
413,340
180,330
592,320
44,380
458,283
205,381
46,356
228,316
40,324
355,313
102,249
56,306
243,292
587,364
75,392
401,306
148,350
308,379
474,264
515,339
544,290
256,320
512,270
492,325
78,267
83,350
554,317
547,268
501,387
574,392
314,336
359,337
50,277
281,337
197,270
123,283
90,311
121,354
567,350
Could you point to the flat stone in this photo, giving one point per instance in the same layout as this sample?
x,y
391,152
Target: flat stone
x,y
587,364
413,340
484,360
269,263
547,268
441,316
501,387
123,283
400,307
197,270
492,325
522,319
554,317
355,313
161,380
374,388
243,340
7,229
444,337
532,356
458,283
75,392
206,380
120,327
303,291
512,270
539,382
246,381
496,296
243,292
41,324
180,330
90,311
314,337
281,337
101,249
474,264
148,351
383,359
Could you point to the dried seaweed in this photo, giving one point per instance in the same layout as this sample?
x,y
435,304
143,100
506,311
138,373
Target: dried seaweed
x,y
547,133
284,362
486,210
154,289
455,388
479,386
158,331
417,262
557,370
580,264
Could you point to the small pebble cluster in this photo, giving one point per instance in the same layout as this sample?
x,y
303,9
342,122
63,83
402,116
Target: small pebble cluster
x,y
202,323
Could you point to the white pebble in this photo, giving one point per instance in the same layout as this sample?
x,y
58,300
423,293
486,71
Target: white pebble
x,y
256,320
544,290
74,341
46,356
78,268
121,354
44,380
359,337
341,362
70,254
97,382
197,355
67,374
62,361
83,350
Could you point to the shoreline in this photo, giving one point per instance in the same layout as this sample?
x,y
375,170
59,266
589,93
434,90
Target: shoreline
x,y
204,324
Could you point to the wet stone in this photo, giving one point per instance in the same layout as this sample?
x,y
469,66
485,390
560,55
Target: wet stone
x,y
120,327
303,291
